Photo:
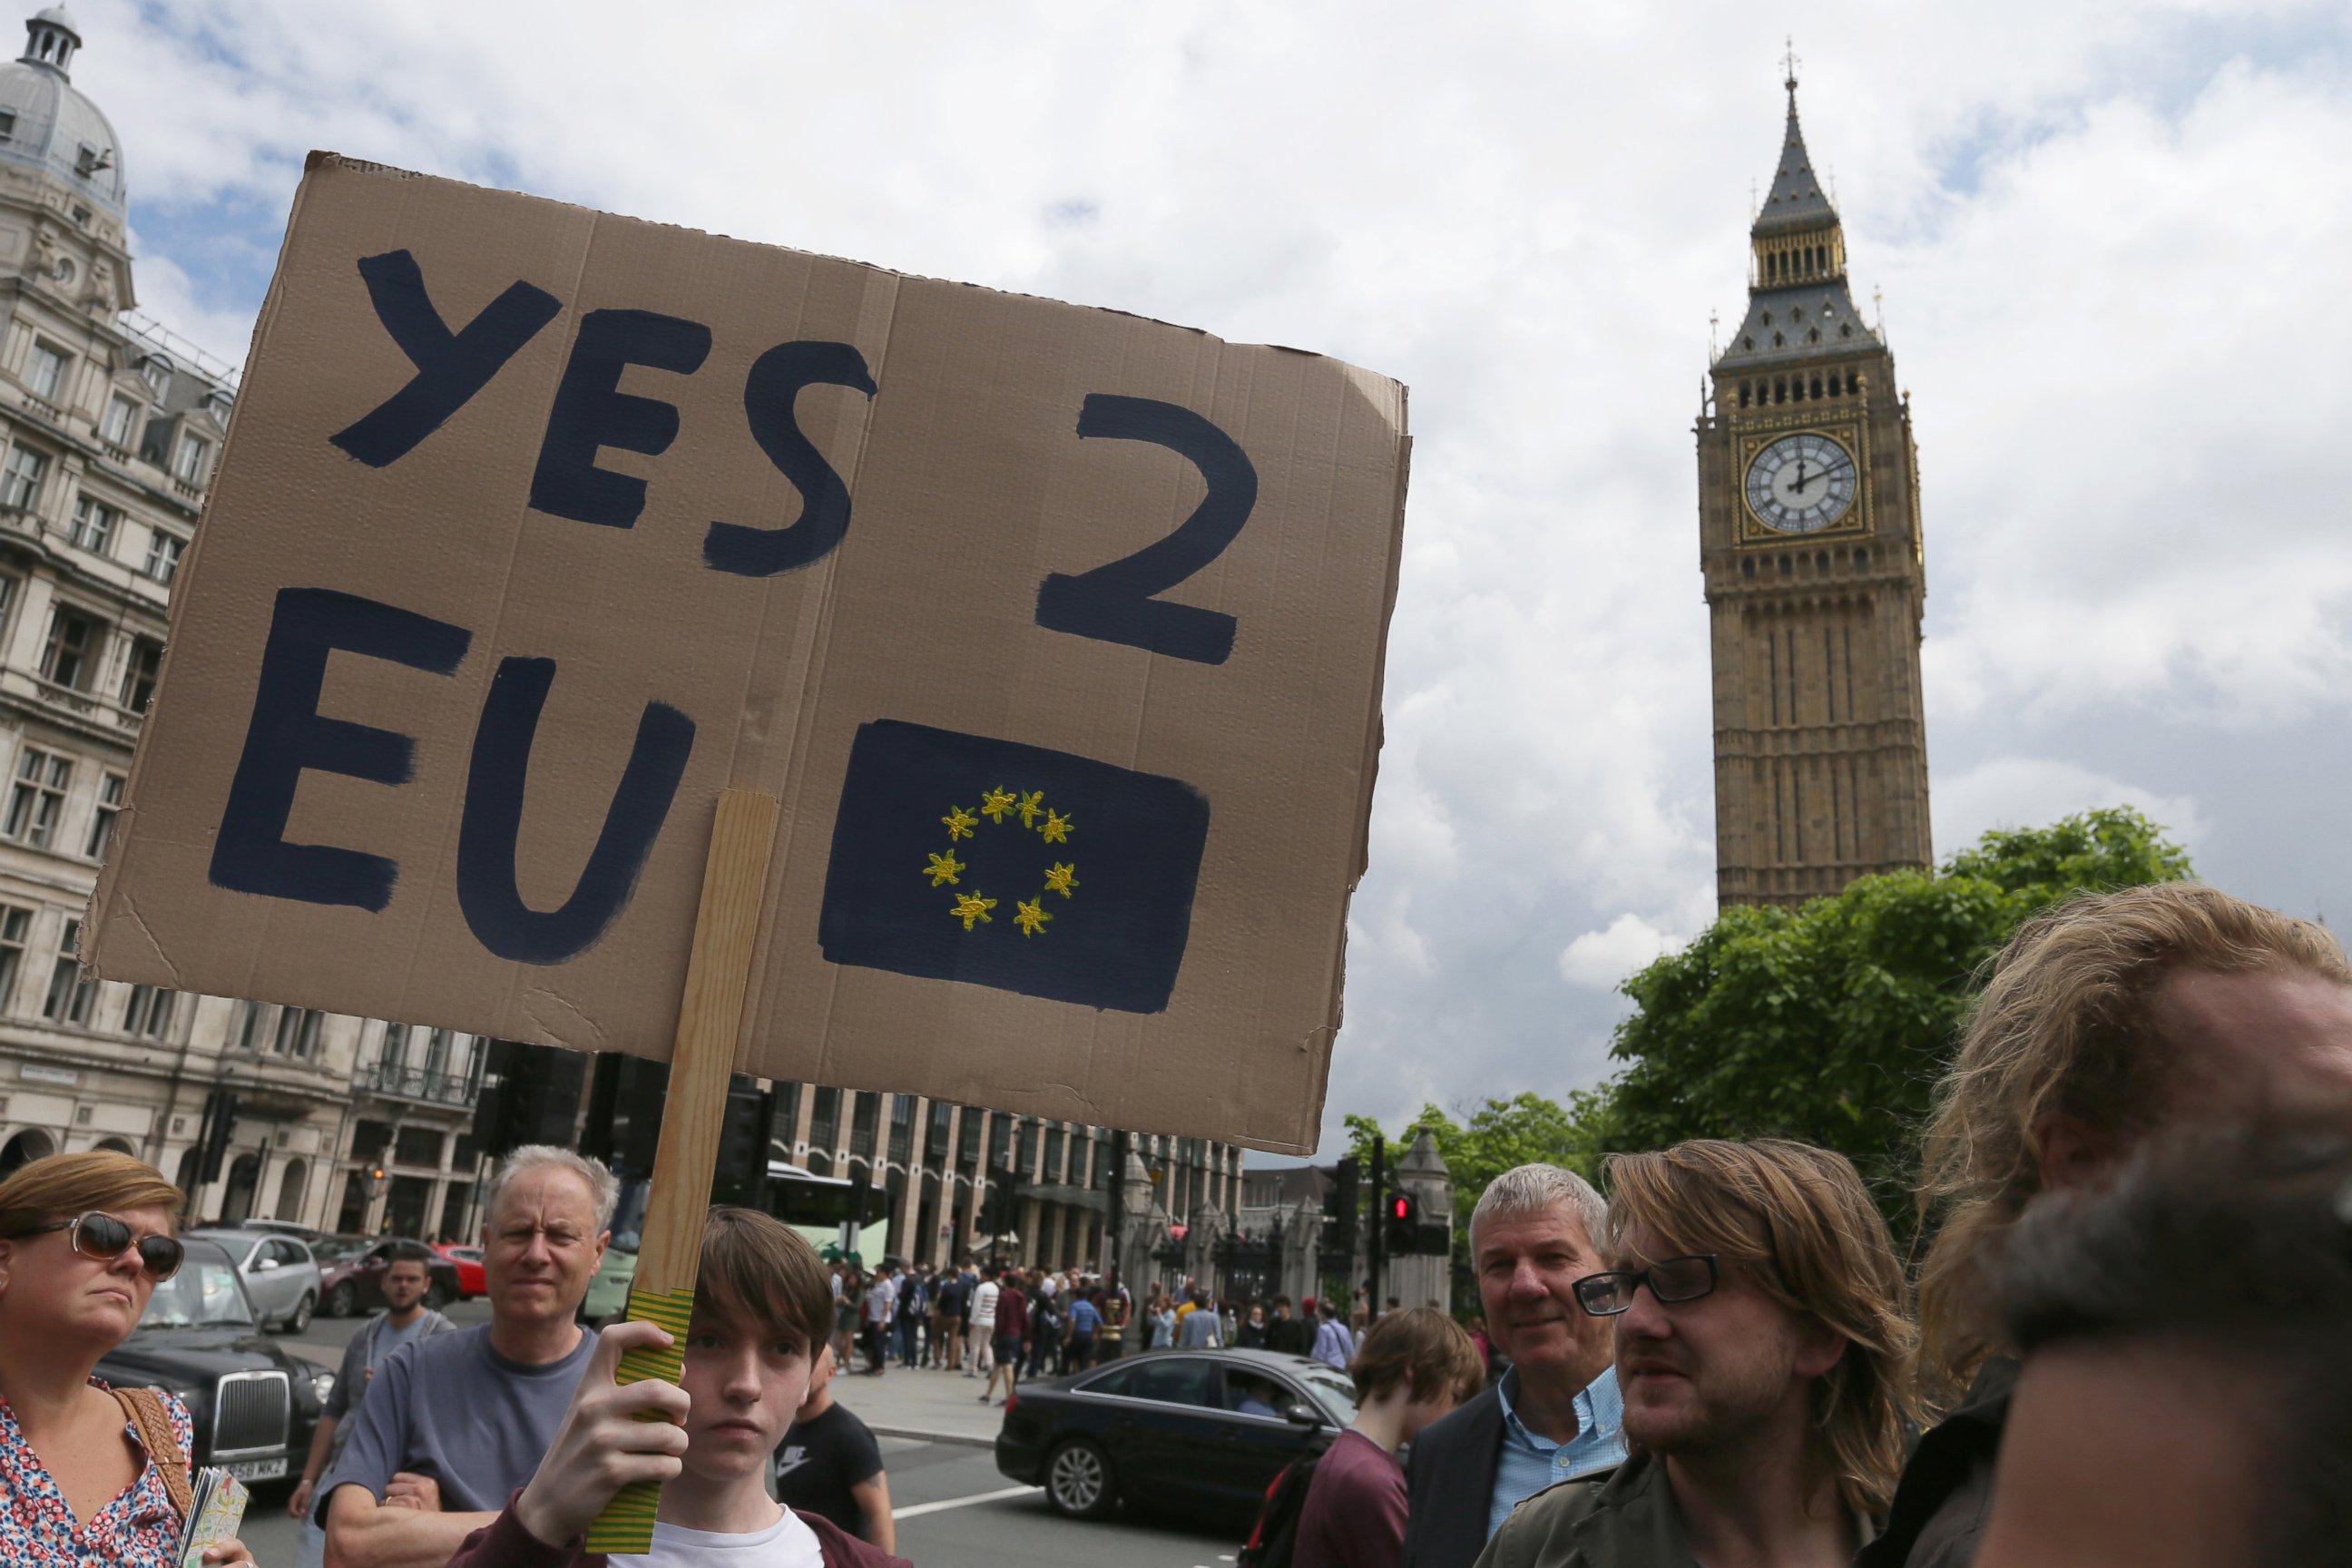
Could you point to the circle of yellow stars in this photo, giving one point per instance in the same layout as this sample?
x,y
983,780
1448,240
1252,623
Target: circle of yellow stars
x,y
999,806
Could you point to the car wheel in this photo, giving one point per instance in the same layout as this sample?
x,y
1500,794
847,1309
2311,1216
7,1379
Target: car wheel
x,y
436,1296
1079,1482
342,1300
302,1317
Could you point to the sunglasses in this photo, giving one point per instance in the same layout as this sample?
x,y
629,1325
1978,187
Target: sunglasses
x,y
106,1238
1670,1280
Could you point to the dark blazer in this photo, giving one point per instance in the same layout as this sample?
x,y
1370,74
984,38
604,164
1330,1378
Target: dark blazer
x,y
1450,1485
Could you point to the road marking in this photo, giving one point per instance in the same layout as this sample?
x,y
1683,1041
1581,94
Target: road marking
x,y
923,1508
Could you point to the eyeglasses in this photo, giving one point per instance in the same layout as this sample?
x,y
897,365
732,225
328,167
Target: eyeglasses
x,y
106,1238
1670,1280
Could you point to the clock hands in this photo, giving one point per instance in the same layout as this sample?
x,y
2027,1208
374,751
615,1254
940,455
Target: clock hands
x,y
1804,479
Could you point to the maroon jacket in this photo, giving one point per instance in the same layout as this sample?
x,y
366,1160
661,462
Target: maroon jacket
x,y
505,1544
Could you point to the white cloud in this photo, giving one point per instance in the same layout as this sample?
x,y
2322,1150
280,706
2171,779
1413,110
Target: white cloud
x,y
2030,792
1599,960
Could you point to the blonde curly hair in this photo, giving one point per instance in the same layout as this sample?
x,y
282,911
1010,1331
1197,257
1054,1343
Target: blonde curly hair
x,y
2065,1023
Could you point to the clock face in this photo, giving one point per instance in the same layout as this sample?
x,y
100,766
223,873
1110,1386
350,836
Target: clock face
x,y
1800,484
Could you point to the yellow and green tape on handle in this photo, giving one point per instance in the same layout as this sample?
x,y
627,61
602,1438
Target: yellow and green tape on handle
x,y
627,1525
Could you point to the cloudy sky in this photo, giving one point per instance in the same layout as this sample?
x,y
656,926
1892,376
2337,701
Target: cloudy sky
x,y
2110,242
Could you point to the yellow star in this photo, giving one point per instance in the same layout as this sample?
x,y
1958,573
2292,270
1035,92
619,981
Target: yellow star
x,y
960,823
1031,918
970,907
1060,879
1031,804
943,868
995,803
1057,828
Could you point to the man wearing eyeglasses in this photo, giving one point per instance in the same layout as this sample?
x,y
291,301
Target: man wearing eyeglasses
x,y
1554,1415
1764,1360
453,1425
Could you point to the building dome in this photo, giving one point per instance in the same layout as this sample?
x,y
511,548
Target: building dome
x,y
47,124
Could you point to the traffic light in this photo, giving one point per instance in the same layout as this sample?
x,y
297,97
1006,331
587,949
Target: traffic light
x,y
220,1125
1340,1206
998,1211
1402,1216
741,1174
530,1094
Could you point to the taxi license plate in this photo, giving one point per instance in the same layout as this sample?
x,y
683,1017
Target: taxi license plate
x,y
255,1469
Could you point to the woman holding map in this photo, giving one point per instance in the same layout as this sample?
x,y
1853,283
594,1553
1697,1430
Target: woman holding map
x,y
87,1474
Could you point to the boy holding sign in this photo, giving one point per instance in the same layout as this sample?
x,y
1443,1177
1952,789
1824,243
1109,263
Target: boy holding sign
x,y
760,1307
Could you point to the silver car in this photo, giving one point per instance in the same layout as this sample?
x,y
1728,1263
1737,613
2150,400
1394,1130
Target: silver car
x,y
279,1272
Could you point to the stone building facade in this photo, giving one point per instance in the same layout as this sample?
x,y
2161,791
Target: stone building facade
x,y
933,1159
1811,548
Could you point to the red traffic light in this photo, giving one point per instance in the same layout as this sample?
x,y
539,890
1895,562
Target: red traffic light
x,y
1400,1207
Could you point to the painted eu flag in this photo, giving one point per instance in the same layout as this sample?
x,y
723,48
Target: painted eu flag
x,y
962,857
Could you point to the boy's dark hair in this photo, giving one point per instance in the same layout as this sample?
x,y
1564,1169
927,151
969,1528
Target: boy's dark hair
x,y
2232,1245
409,1252
756,1263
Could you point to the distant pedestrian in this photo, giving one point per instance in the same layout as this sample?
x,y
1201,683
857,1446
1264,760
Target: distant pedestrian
x,y
830,1465
1335,1346
1251,1336
881,1307
1085,1321
1162,1319
1286,1334
984,1297
1012,1339
914,1313
1202,1328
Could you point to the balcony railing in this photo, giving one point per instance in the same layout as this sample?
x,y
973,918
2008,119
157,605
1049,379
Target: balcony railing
x,y
415,1083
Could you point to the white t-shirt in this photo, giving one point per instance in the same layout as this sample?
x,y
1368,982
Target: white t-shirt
x,y
983,1305
787,1543
1048,1285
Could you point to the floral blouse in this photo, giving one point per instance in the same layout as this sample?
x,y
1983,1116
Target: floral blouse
x,y
136,1529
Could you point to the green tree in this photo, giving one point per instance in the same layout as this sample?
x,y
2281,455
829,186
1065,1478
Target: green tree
x,y
1832,1022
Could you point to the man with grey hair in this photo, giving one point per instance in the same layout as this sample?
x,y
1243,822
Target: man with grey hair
x,y
1557,1414
454,1425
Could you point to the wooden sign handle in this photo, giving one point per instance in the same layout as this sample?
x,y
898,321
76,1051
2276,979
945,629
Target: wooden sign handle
x,y
709,1020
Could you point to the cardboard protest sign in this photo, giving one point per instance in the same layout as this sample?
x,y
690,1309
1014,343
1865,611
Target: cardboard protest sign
x,y
1057,632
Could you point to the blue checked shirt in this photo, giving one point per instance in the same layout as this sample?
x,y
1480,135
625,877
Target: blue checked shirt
x,y
1529,1463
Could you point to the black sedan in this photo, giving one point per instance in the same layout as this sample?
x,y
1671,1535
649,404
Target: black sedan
x,y
253,1405
1207,1430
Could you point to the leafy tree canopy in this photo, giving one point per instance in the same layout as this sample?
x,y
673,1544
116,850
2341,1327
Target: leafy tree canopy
x,y
1832,1022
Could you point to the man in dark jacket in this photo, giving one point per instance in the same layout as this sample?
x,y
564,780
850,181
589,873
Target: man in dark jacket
x,y
1554,1416
2113,1015
1286,1334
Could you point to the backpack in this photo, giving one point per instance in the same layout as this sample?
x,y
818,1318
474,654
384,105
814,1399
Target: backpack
x,y
1275,1538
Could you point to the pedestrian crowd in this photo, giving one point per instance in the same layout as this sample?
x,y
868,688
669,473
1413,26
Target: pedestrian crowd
x,y
993,1322
2125,1340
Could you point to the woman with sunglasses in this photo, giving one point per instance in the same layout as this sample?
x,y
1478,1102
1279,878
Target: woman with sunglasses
x,y
84,1240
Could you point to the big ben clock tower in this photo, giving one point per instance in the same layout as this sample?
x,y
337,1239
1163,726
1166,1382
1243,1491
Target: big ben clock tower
x,y
1809,546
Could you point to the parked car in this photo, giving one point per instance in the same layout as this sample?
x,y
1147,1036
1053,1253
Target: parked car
x,y
253,1405
472,1281
1205,1430
280,1274
352,1275
608,1292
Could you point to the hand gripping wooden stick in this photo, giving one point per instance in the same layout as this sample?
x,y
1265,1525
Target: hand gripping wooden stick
x,y
709,1020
